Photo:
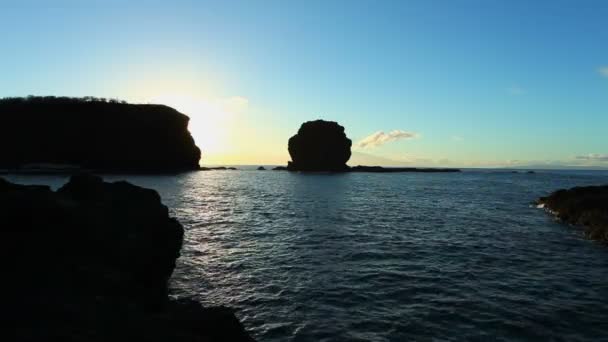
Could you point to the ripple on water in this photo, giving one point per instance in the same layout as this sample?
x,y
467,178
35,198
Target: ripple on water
x,y
371,257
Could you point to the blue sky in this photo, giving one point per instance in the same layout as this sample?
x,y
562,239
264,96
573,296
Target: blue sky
x,y
434,83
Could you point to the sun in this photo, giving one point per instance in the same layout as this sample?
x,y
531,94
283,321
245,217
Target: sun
x,y
209,121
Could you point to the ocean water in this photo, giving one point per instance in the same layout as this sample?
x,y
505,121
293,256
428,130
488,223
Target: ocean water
x,y
386,257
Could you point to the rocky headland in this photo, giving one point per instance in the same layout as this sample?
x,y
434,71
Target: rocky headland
x,y
94,134
91,262
581,206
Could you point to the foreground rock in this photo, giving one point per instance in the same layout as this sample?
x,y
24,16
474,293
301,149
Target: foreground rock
x,y
91,261
380,169
584,206
94,134
319,146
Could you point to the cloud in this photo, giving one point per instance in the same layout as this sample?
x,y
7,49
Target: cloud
x,y
380,138
603,71
457,138
594,157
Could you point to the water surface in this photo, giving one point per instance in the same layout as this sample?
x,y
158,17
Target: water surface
x,y
386,257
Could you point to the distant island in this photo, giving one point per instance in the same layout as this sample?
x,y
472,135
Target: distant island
x,y
56,133
322,146
217,168
585,206
380,169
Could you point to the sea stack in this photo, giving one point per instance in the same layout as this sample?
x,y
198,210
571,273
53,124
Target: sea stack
x,y
319,146
94,134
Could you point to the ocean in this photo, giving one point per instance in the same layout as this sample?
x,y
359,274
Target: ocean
x,y
385,257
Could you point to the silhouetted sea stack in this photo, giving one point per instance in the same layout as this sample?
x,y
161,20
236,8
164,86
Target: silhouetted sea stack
x,y
90,262
95,134
319,146
585,206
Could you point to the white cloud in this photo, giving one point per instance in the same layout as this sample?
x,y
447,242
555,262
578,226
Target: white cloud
x,y
603,71
594,157
380,138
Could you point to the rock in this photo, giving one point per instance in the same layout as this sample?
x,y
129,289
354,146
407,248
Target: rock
x,y
279,168
319,146
531,172
261,168
91,262
218,168
583,206
94,134
381,169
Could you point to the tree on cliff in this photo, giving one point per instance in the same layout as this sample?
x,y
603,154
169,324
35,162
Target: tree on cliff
x,y
319,146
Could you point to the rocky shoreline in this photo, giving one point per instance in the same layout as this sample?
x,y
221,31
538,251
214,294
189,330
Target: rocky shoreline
x,y
91,262
581,206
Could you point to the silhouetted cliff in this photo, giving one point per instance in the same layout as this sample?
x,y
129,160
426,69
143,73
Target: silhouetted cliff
x,y
586,206
95,134
90,262
319,146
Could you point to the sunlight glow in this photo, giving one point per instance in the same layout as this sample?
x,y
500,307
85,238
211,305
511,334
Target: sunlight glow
x,y
211,121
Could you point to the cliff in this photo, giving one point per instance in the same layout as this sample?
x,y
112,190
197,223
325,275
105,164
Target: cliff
x,y
95,134
584,206
91,261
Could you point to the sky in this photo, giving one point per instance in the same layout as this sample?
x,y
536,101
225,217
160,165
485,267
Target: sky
x,y
460,83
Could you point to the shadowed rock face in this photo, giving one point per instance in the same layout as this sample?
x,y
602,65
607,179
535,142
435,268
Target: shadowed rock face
x,y
95,134
91,261
319,146
586,206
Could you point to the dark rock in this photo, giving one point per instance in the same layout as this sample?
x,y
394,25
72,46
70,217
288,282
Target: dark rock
x,y
279,168
531,172
319,146
218,168
584,206
261,168
91,261
95,134
381,169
